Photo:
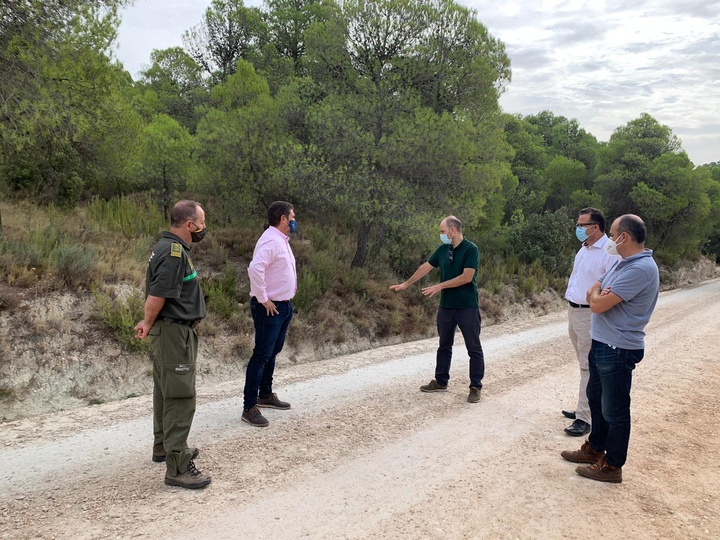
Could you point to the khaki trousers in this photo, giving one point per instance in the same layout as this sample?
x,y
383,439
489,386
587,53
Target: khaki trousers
x,y
579,331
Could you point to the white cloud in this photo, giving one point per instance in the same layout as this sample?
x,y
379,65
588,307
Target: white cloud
x,y
603,62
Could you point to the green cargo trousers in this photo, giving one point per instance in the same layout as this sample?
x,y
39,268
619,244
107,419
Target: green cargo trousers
x,y
174,351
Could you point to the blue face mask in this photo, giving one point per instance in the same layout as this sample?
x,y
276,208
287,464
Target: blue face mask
x,y
293,226
444,239
581,233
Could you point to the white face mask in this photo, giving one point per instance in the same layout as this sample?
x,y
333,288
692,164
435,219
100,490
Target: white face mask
x,y
611,247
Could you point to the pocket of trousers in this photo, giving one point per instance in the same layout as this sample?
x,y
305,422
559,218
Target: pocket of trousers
x,y
179,381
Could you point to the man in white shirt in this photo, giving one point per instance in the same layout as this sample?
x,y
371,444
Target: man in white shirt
x,y
591,262
273,283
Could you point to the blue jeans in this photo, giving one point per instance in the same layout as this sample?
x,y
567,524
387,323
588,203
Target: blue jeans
x,y
448,320
608,393
270,331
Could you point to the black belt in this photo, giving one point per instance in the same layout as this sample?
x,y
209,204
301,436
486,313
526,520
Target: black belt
x,y
273,301
573,304
191,324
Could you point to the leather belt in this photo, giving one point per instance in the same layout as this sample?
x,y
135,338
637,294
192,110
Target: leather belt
x,y
573,304
191,324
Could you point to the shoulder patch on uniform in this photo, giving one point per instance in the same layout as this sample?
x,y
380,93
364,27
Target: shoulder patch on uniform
x,y
175,249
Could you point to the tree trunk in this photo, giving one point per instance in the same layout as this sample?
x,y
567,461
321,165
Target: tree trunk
x,y
363,245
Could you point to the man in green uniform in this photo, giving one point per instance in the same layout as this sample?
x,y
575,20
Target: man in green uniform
x,y
458,260
174,305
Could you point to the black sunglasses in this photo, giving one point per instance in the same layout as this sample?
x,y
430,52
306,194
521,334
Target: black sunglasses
x,y
450,253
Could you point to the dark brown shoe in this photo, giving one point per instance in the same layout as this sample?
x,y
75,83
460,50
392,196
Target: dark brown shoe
x,y
474,395
433,386
585,455
273,402
190,479
254,417
601,471
161,455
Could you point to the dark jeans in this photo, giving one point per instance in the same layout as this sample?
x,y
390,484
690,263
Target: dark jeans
x,y
469,322
270,334
608,392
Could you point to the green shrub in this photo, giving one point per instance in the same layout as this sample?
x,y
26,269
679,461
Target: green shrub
x,y
121,316
126,216
535,279
74,265
356,280
309,291
323,266
545,238
222,293
20,252
46,240
320,238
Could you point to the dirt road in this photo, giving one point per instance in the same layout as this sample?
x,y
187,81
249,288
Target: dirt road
x,y
364,454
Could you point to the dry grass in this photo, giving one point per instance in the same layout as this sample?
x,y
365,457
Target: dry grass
x,y
45,245
108,243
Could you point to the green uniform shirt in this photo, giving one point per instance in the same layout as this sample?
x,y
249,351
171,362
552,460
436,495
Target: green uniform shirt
x,y
171,275
465,255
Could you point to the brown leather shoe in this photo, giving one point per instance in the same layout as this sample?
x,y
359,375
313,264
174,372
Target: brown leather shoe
x,y
254,417
586,454
474,395
601,471
190,479
433,386
272,402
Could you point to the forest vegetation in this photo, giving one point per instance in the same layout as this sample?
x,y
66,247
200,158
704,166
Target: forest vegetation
x,y
376,119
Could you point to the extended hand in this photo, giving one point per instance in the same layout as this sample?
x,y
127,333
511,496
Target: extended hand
x,y
399,287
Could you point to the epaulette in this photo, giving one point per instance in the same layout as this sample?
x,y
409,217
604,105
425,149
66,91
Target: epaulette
x,y
175,249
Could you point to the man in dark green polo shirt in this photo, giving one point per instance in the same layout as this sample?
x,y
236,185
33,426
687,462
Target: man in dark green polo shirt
x,y
174,304
458,260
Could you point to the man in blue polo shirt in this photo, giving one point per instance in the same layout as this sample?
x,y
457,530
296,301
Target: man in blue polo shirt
x,y
621,302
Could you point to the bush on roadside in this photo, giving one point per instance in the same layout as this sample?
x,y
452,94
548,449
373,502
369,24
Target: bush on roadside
x,y
222,293
120,315
75,265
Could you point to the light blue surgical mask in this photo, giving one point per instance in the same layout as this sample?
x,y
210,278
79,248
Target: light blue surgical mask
x,y
581,233
444,239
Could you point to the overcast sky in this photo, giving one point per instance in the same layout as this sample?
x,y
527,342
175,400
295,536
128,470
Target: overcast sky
x,y
601,62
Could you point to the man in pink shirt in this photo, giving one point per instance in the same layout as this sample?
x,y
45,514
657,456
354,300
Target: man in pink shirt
x,y
273,283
